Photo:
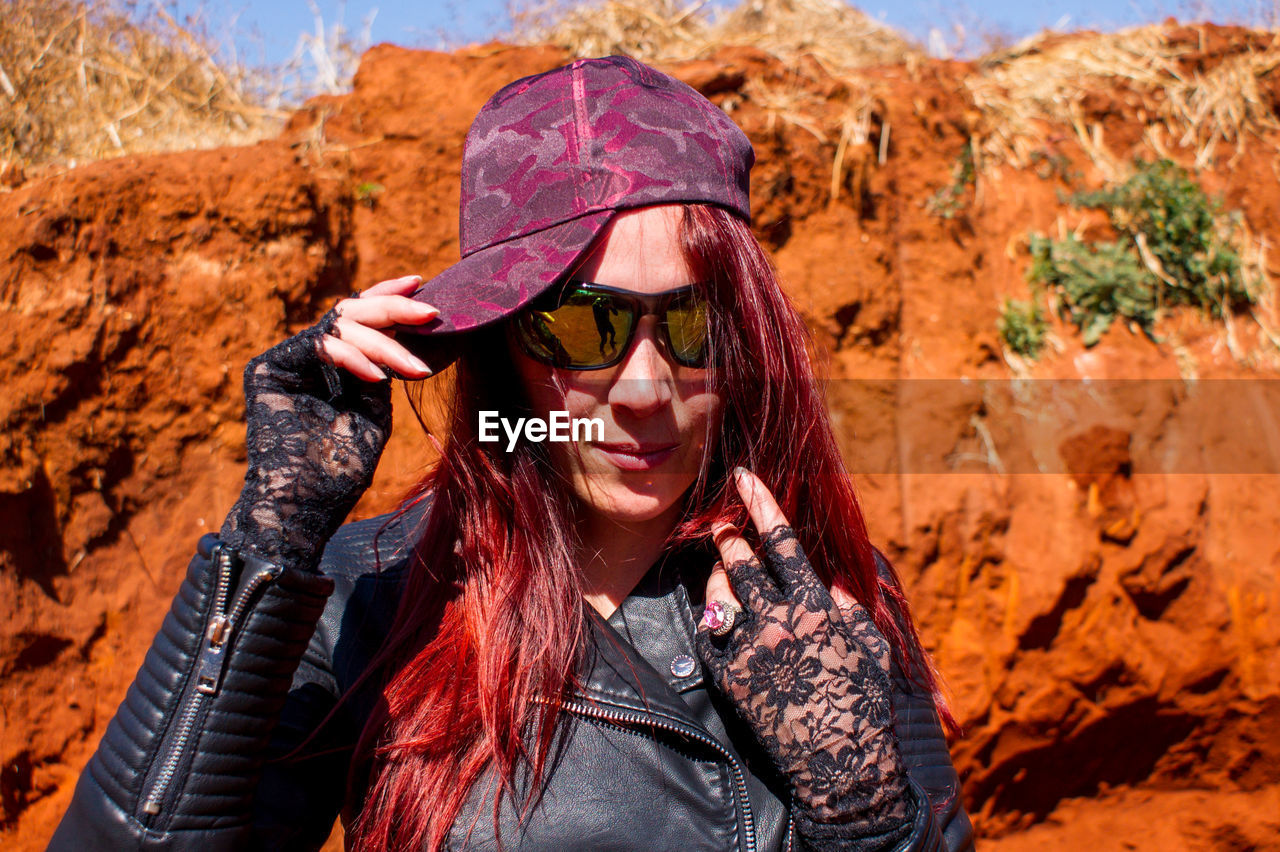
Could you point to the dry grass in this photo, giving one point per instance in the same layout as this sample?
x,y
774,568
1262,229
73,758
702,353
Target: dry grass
x,y
1223,105
649,30
1043,84
833,32
83,82
838,36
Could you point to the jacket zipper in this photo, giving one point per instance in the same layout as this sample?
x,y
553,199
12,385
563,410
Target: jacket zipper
x,y
739,781
209,668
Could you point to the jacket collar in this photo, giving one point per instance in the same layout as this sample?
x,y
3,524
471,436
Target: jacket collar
x,y
629,659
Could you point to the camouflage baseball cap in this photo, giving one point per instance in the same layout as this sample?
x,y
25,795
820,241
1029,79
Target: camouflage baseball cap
x,y
551,158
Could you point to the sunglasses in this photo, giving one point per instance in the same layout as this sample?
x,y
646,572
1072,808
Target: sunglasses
x,y
588,326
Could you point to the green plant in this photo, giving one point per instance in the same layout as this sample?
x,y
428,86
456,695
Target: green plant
x,y
367,193
1174,249
1022,327
1097,282
1167,215
949,201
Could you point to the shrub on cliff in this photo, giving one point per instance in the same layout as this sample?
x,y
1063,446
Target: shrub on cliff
x,y
1095,283
1182,236
1022,327
1175,248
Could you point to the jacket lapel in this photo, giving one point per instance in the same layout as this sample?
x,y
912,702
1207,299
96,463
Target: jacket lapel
x,y
614,673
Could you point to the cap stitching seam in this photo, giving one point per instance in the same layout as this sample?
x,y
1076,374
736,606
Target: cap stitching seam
x,y
462,206
581,130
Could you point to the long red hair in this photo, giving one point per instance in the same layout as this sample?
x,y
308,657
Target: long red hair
x,y
491,623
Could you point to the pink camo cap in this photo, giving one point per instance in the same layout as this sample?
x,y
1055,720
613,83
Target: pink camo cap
x,y
550,159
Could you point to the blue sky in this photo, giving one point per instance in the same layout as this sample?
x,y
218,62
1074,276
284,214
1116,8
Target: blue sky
x,y
270,30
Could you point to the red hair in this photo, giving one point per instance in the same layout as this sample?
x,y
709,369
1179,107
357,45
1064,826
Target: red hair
x,y
487,637
776,425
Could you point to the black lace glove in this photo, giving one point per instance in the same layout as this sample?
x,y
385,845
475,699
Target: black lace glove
x,y
314,438
813,685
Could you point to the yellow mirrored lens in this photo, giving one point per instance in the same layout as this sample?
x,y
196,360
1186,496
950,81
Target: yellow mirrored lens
x,y
687,330
590,328
539,339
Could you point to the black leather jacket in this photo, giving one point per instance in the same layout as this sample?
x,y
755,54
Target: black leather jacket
x,y
253,658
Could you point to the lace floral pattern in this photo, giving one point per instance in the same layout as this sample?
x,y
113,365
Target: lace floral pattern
x,y
314,438
812,682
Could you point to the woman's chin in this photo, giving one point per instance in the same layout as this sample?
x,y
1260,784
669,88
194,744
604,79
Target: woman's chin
x,y
627,506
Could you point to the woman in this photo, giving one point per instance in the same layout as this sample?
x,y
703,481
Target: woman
x,y
613,641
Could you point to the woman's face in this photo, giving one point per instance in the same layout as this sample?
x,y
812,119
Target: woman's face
x,y
658,415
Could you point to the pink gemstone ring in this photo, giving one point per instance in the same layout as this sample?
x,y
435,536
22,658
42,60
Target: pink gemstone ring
x,y
720,616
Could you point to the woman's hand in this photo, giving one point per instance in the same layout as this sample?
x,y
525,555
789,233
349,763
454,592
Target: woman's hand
x,y
314,435
810,680
357,341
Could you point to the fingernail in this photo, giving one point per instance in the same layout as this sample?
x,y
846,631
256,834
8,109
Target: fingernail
x,y
427,309
417,278
740,476
419,364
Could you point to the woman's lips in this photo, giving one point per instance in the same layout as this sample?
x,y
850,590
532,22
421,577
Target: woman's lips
x,y
637,457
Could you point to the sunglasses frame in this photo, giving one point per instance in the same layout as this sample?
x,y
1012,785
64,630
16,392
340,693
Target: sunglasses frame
x,y
641,304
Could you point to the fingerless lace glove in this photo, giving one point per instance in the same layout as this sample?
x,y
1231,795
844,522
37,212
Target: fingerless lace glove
x,y
314,438
813,686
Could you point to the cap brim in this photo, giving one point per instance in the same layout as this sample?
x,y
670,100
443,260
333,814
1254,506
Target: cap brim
x,y
495,282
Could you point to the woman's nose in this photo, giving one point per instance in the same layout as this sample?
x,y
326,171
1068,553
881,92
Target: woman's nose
x,y
642,384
